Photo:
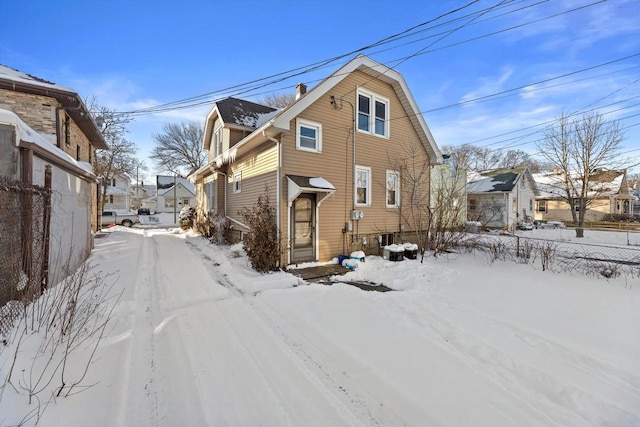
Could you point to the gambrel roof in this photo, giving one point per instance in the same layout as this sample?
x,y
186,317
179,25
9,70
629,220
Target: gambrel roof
x,y
281,119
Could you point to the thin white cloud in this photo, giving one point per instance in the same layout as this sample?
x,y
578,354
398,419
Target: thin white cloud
x,y
489,85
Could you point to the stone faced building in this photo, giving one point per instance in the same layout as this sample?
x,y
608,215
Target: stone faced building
x,y
58,114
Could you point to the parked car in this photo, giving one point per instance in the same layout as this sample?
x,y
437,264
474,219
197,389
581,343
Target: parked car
x,y
144,211
525,226
550,224
118,218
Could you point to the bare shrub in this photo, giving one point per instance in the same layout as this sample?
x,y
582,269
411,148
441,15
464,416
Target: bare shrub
x,y
54,341
526,250
261,243
546,251
609,270
497,250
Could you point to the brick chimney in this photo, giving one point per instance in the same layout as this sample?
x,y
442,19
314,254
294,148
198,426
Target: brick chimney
x,y
301,89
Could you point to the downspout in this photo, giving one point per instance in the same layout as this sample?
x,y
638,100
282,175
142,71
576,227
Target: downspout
x,y
507,208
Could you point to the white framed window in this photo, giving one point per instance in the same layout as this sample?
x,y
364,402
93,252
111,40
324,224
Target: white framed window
x,y
308,135
217,139
363,186
373,114
473,204
237,182
210,194
393,189
542,206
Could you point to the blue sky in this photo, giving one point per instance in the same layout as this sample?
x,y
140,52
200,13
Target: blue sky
x,y
474,73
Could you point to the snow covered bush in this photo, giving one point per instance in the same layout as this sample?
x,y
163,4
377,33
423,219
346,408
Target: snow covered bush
x,y
215,227
187,217
261,243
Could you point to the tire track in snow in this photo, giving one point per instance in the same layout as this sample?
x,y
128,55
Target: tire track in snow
x,y
345,394
139,404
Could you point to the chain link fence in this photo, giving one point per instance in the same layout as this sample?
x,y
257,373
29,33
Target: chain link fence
x,y
24,220
593,259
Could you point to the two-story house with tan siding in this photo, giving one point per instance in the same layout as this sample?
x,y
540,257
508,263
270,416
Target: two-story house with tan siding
x,y
56,113
329,161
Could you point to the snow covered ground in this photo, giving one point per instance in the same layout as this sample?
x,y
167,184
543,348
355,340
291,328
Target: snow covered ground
x,y
198,338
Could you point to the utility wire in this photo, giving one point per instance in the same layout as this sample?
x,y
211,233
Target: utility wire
x,y
252,85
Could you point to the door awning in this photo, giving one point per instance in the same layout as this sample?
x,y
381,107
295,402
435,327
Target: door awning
x,y
304,184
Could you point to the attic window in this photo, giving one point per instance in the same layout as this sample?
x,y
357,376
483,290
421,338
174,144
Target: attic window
x,y
373,114
217,140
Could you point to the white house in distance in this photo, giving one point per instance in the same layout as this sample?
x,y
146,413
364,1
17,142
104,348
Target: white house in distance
x,y
119,195
501,198
166,197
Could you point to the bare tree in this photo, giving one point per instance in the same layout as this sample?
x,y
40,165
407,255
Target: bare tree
x,y
433,200
447,207
470,157
577,149
178,148
278,100
120,157
414,184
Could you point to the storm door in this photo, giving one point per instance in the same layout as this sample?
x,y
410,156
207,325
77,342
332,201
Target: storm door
x,y
303,228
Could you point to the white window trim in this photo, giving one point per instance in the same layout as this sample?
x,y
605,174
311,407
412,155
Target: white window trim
x,y
309,124
218,145
372,113
368,187
544,210
397,201
237,182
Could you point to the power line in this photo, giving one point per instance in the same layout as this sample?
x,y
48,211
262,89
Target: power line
x,y
269,80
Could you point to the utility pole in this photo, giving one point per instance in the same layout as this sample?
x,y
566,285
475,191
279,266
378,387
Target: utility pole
x,y
175,200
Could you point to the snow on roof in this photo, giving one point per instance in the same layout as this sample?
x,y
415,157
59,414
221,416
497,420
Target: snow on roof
x,y
321,183
245,113
495,180
602,182
9,73
165,182
117,191
26,134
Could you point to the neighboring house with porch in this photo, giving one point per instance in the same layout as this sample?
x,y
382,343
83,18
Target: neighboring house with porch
x,y
501,198
173,194
608,194
329,162
119,195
